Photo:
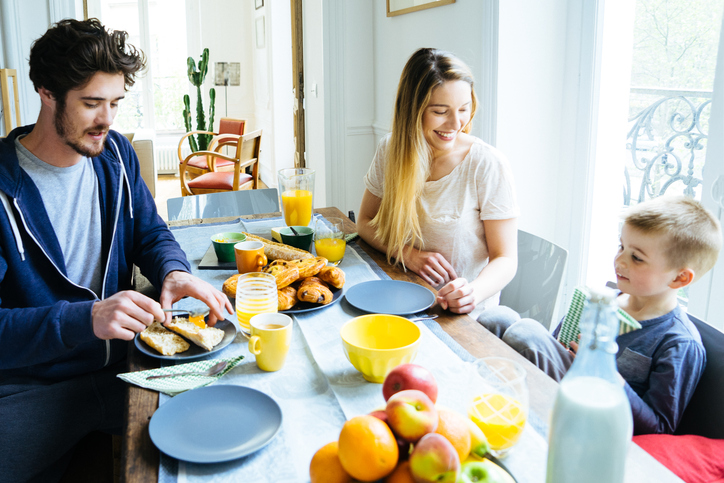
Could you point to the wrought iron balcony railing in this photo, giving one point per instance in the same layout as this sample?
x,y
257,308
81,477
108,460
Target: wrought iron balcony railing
x,y
666,143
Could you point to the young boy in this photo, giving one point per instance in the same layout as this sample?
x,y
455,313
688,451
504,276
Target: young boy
x,y
666,244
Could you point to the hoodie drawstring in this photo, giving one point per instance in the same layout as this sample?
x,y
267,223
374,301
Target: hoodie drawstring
x,y
13,224
125,177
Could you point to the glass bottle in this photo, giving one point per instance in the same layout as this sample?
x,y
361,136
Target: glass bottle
x,y
591,426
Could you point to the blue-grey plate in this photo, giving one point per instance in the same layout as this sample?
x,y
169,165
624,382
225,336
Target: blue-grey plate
x,y
194,352
216,423
302,307
392,297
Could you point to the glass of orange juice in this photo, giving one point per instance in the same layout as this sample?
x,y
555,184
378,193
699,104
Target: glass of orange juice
x,y
329,239
500,405
256,293
296,186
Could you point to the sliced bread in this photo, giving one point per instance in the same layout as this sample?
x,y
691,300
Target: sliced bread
x,y
163,340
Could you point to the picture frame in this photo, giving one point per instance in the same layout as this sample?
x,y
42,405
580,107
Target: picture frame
x,y
260,33
400,7
258,4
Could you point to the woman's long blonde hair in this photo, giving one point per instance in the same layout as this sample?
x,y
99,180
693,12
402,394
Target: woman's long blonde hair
x,y
408,154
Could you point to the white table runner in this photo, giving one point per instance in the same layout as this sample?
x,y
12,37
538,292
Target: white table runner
x,y
318,389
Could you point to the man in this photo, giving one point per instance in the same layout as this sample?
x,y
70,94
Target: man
x,y
75,217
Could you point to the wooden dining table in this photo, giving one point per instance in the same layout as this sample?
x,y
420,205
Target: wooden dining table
x,y
140,458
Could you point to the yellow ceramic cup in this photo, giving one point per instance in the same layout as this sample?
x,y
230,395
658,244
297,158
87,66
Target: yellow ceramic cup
x,y
271,335
249,256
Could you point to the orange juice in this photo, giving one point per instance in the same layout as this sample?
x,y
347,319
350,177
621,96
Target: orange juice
x,y
297,206
500,417
330,248
244,314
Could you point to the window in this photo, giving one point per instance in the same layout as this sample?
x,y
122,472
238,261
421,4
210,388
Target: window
x,y
158,27
657,76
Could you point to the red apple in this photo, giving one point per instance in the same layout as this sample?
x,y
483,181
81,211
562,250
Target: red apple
x,y
434,460
411,414
379,414
409,376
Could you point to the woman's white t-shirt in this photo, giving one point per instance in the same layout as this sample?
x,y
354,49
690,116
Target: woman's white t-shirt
x,y
454,207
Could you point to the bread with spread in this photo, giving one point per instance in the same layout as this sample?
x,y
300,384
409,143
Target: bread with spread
x,y
163,340
207,337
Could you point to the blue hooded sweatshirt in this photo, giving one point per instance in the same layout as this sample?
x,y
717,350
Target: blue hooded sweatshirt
x,y
46,327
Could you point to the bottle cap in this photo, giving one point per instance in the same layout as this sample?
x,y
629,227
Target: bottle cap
x,y
602,295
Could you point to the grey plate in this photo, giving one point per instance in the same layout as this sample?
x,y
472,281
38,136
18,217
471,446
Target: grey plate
x,y
302,307
392,297
215,423
193,352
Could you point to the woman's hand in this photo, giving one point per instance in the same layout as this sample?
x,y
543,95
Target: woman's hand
x,y
431,266
457,296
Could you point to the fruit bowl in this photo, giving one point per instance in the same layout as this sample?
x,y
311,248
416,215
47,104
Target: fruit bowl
x,y
376,343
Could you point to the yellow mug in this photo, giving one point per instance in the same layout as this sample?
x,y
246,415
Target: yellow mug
x,y
271,335
249,256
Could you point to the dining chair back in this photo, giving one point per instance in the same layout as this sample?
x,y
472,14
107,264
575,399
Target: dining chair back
x,y
704,416
534,290
230,130
229,203
247,156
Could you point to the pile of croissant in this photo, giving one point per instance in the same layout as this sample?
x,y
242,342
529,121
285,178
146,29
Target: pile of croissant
x,y
305,280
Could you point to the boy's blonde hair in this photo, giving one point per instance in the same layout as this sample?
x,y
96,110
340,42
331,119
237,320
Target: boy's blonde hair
x,y
694,234
408,154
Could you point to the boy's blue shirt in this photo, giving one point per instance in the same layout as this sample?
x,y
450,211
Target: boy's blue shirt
x,y
45,319
662,363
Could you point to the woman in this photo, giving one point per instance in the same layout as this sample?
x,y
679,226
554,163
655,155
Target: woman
x,y
437,200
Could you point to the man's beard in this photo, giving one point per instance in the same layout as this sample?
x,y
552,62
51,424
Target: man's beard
x,y
65,127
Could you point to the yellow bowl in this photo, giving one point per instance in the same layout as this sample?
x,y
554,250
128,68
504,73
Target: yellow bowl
x,y
375,344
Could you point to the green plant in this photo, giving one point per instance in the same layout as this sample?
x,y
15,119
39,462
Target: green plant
x,y
197,79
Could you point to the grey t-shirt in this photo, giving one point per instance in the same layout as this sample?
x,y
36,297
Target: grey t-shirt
x,y
70,196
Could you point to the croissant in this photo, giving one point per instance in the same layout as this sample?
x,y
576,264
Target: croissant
x,y
310,267
315,291
332,275
287,298
284,276
229,287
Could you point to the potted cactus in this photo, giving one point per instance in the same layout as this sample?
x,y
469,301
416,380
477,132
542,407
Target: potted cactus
x,y
199,142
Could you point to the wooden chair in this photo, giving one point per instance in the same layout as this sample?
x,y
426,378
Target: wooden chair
x,y
215,181
230,130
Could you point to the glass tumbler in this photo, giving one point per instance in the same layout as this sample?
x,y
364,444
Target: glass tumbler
x,y
256,293
329,239
296,186
500,404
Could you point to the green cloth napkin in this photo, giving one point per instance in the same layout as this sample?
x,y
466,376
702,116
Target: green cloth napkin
x,y
570,329
177,385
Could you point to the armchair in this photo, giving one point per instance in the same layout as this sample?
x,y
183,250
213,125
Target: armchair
x,y
215,181
229,132
142,143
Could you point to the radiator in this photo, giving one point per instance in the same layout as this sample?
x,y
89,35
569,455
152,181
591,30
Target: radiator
x,y
167,158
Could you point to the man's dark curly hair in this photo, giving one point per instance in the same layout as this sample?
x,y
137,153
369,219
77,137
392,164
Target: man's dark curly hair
x,y
69,54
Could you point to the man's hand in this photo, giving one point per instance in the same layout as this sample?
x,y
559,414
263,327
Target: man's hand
x,y
431,266
457,296
179,284
124,314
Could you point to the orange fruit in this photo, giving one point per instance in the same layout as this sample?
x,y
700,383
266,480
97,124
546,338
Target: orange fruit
x,y
401,474
325,466
454,428
367,448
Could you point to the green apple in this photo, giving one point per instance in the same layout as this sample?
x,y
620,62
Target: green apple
x,y
484,471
